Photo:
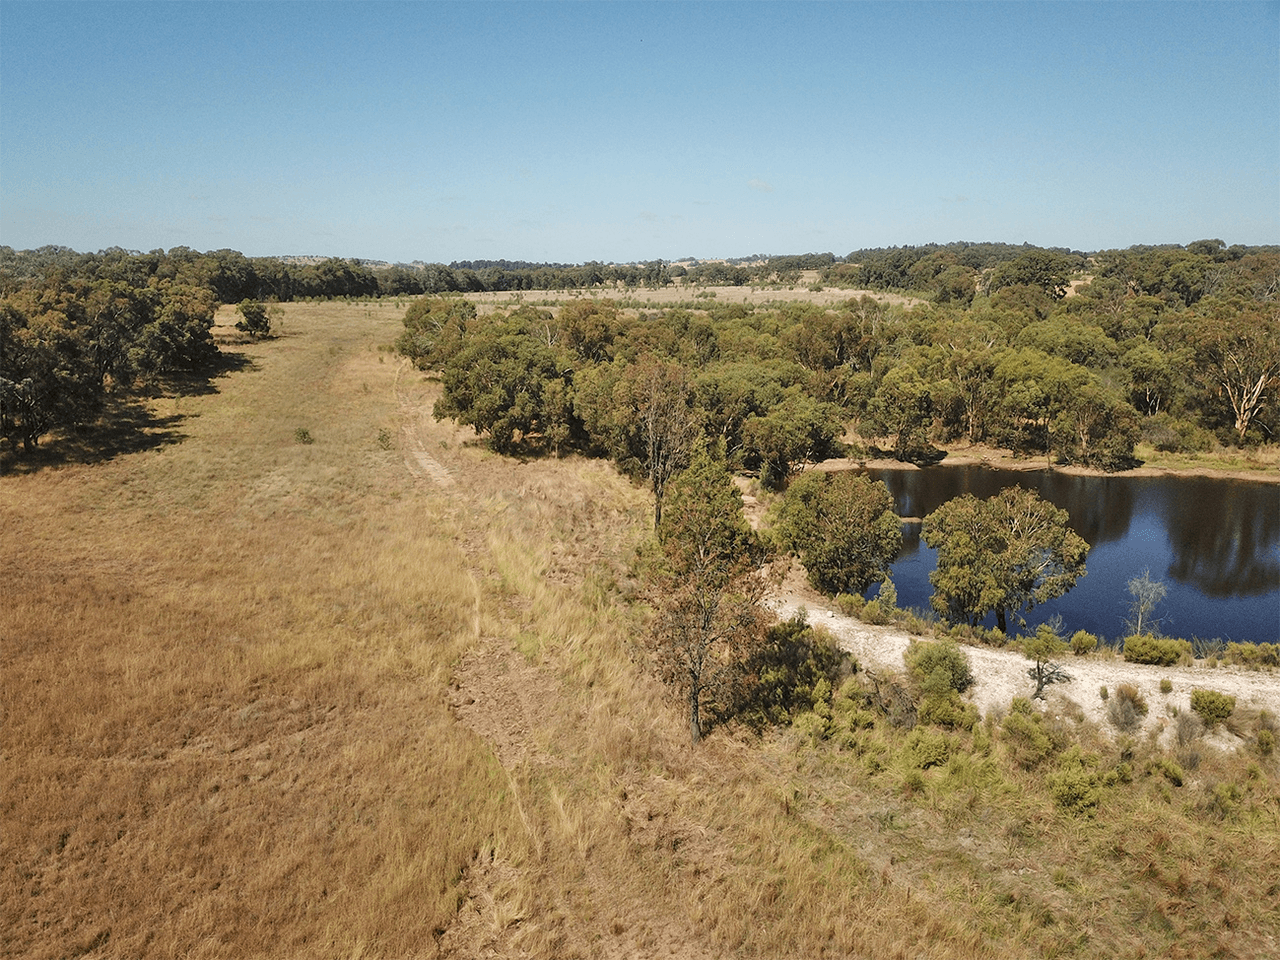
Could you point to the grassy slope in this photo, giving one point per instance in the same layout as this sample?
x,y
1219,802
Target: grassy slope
x,y
263,698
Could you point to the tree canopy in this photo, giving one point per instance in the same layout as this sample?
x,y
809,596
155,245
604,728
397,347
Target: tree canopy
x,y
1002,555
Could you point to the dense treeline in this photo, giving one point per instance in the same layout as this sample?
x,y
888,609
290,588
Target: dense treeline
x,y
68,343
1176,346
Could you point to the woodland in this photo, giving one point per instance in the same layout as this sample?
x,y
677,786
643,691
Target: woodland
x,y
1072,357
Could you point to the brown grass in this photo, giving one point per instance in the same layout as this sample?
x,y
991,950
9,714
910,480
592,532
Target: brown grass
x,y
264,698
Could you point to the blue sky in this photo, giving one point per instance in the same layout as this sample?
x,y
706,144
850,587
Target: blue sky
x,y
623,132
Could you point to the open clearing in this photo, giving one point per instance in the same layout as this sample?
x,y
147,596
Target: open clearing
x,y
378,695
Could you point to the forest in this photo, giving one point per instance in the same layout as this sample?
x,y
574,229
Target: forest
x,y
1059,354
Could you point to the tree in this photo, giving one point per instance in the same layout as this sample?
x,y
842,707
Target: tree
x,y
1000,555
498,383
708,589
1043,649
662,394
905,409
843,528
1046,269
1238,354
435,328
255,321
1146,594
797,431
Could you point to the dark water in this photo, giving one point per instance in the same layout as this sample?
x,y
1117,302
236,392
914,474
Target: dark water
x,y
1214,543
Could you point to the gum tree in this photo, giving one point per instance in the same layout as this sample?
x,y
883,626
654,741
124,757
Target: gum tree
x,y
1002,555
708,589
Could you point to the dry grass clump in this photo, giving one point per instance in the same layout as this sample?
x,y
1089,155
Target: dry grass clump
x,y
1127,708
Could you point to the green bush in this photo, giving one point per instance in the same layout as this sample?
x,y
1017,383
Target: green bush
x,y
1076,787
1253,654
927,748
1211,706
938,667
1172,772
850,604
1160,651
1166,685
796,669
1024,735
1083,642
1266,742
949,711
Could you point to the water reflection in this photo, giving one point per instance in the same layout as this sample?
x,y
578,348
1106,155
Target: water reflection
x,y
1216,541
1225,545
1100,507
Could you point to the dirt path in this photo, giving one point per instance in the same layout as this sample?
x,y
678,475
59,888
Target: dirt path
x,y
1002,674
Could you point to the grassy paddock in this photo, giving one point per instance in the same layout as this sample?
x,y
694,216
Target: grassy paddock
x,y
272,698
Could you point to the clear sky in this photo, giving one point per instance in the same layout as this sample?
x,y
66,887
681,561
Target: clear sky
x,y
635,131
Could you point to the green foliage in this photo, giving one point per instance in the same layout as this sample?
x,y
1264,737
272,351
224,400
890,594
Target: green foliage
x,y
1044,648
1211,706
884,607
1266,742
303,435
843,528
254,320
1159,651
497,383
798,431
796,669
1083,642
1007,553
948,710
1252,655
1168,768
1046,270
927,748
1023,734
1076,786
1166,685
435,329
938,667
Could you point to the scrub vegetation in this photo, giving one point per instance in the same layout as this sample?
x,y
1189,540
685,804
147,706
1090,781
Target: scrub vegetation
x,y
391,691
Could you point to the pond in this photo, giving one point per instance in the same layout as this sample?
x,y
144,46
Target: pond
x,y
1214,543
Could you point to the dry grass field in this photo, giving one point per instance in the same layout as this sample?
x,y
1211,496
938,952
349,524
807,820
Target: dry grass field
x,y
376,695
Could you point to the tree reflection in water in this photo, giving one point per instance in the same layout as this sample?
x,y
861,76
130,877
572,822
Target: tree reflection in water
x,y
1216,541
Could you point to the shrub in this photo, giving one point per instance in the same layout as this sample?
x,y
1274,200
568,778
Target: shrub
x,y
1160,651
1166,685
938,667
1253,654
302,435
1266,742
1172,772
1103,692
1213,707
1076,788
797,668
1187,727
927,748
850,604
1024,735
1083,642
948,711
1127,709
